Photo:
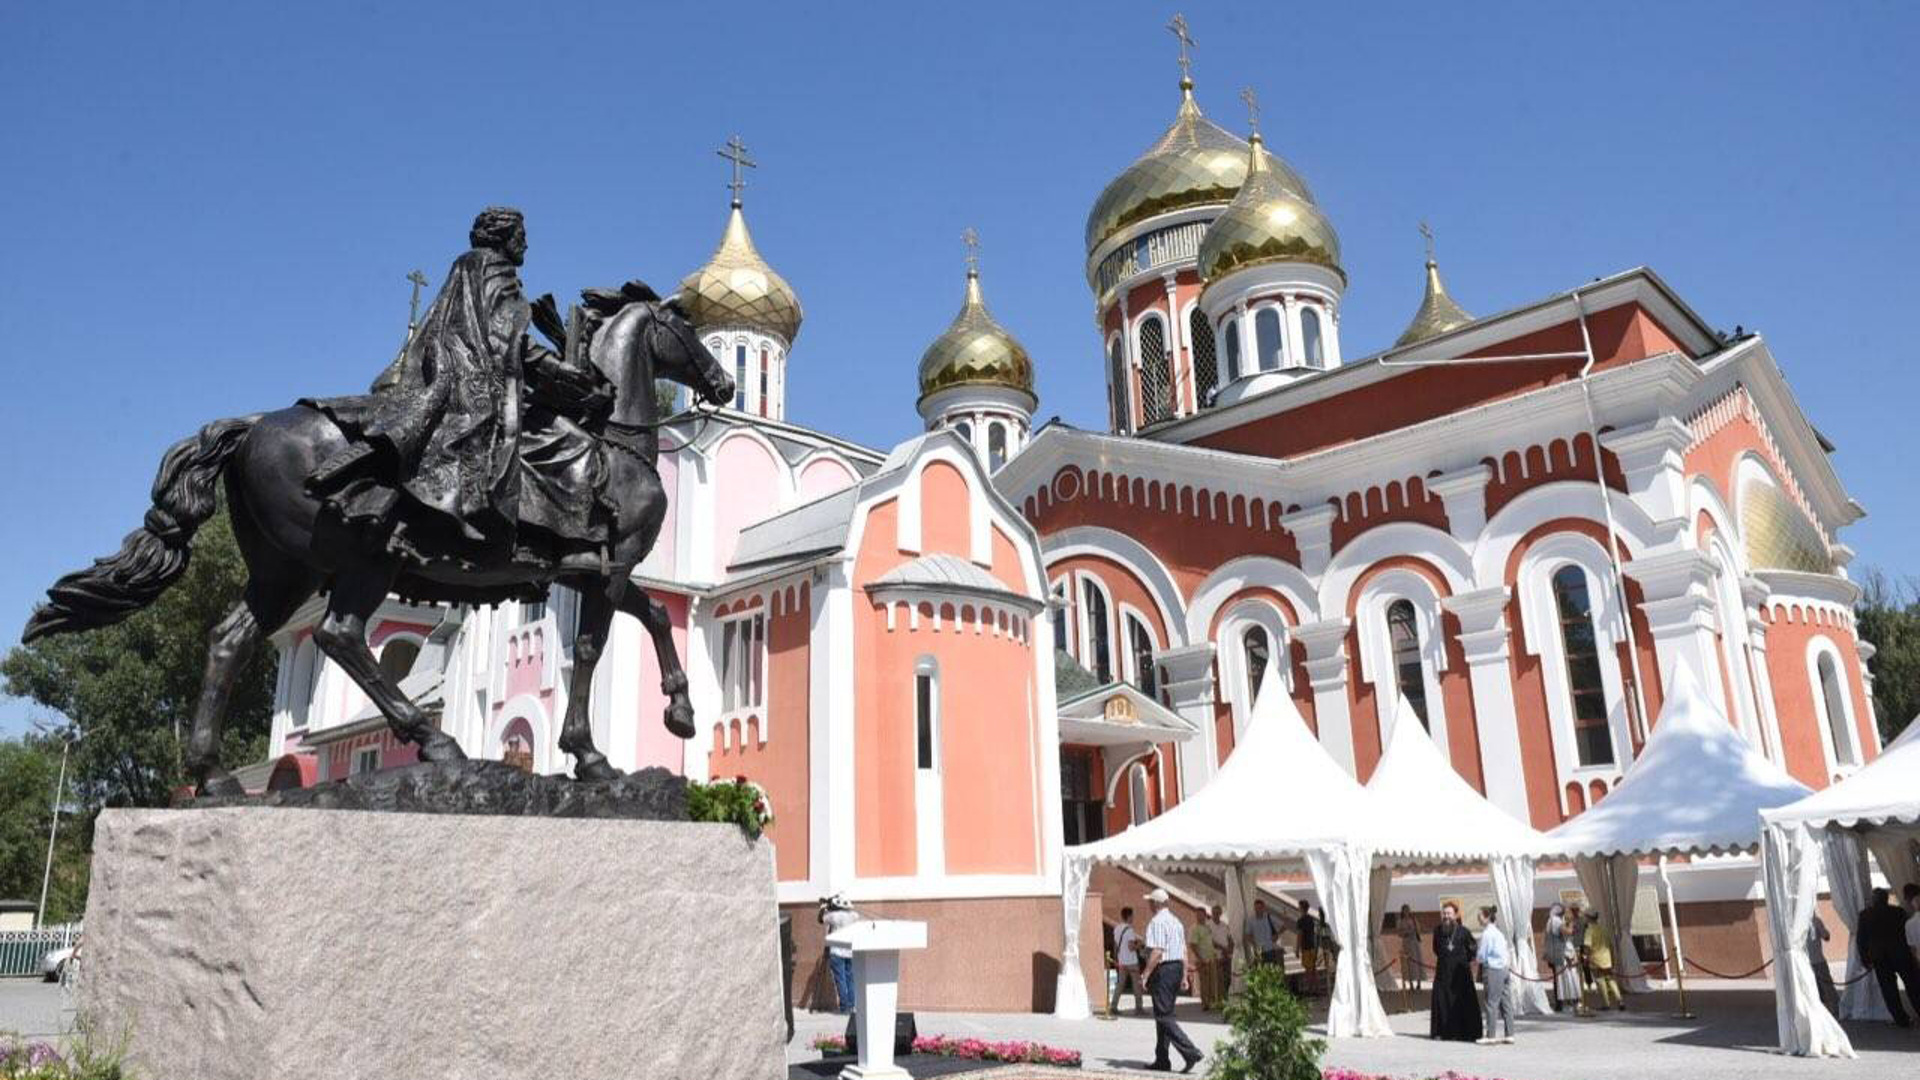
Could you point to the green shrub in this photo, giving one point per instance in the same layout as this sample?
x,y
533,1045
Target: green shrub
x,y
1269,1033
739,801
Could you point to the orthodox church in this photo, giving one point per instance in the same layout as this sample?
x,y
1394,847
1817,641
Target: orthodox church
x,y
948,660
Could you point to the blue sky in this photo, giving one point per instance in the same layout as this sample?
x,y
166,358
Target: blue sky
x,y
212,208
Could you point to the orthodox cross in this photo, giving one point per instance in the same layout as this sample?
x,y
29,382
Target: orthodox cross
x,y
1178,28
736,152
1253,107
413,306
972,240
1426,230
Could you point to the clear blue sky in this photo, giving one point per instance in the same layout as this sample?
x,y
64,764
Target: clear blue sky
x,y
211,208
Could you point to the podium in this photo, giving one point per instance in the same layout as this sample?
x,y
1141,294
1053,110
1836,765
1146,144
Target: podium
x,y
876,946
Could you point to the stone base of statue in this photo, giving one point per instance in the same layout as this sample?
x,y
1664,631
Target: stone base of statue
x,y
268,942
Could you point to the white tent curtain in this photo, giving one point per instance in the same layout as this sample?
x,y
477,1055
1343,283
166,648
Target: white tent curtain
x,y
1893,849
1790,867
1513,893
1070,988
1379,883
1849,884
1240,893
1340,876
1610,882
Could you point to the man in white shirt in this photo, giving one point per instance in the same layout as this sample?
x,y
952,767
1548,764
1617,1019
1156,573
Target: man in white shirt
x,y
1126,960
1166,969
1496,958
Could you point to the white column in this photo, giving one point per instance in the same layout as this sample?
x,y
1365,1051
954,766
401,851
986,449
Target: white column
x,y
1249,349
1312,530
1464,494
1181,369
1326,643
1486,643
1755,593
1333,334
1678,591
1652,457
830,724
1189,685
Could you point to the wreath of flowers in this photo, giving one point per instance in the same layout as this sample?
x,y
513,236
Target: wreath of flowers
x,y
739,801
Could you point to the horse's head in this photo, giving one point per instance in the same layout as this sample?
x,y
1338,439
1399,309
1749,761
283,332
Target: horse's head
x,y
680,355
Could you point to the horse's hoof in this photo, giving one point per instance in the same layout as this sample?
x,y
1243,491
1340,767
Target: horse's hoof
x,y
680,720
219,784
440,746
595,767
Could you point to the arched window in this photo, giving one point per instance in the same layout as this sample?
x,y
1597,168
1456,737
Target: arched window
x,y
1593,737
996,444
1117,383
965,428
1137,793
740,377
1258,651
1156,372
1310,344
1267,338
1409,669
1142,254
1206,370
1097,654
1140,646
1833,699
765,367
926,714
1233,347
1057,611
397,657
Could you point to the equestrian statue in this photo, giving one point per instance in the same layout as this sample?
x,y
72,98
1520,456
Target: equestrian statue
x,y
482,466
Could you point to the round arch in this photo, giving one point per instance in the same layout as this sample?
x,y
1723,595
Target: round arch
x,y
1246,572
1409,538
1549,502
1118,547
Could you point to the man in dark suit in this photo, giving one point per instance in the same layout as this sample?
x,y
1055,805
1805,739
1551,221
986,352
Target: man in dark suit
x,y
1881,934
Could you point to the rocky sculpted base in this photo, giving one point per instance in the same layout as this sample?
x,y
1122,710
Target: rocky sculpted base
x,y
481,787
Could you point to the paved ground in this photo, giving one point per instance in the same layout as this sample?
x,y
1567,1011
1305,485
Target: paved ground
x,y
33,1008
1731,1039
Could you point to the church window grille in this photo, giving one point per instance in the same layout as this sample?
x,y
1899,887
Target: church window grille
x,y
1310,339
1206,373
1267,338
1593,735
1156,374
1409,668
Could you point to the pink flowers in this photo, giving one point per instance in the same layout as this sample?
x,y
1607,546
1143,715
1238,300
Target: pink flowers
x,y
1013,1052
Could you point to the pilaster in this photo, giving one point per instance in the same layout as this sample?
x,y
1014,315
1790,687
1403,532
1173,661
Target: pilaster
x,y
1678,591
1326,644
1189,687
1486,643
1464,494
1312,530
1652,457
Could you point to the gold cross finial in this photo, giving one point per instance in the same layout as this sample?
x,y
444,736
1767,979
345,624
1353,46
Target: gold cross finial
x,y
419,281
1426,230
1253,107
972,240
736,152
1178,28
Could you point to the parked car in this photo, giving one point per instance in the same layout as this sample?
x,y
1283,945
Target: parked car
x,y
54,964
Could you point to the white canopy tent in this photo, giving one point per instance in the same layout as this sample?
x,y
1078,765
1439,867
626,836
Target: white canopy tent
x,y
1878,809
1697,788
1431,807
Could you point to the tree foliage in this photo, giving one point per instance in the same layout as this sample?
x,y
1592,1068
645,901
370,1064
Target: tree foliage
x,y
1888,616
127,692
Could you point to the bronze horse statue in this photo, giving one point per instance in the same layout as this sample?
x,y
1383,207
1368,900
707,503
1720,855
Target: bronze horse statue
x,y
294,548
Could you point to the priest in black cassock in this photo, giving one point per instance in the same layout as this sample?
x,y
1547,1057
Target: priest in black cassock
x,y
1456,1008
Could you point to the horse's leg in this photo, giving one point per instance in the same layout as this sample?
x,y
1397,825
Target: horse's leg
x,y
673,680
272,594
358,589
576,732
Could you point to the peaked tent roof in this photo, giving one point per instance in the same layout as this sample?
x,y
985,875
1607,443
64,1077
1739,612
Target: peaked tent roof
x,y
1431,810
1278,796
1885,791
1697,787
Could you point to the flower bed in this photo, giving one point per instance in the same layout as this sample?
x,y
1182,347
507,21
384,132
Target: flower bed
x,y
1014,1052
21,1059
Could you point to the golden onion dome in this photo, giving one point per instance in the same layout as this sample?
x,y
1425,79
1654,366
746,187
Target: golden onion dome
x,y
737,288
1194,163
1438,313
1268,221
975,351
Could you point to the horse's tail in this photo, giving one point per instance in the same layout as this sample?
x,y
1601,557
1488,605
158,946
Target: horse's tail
x,y
154,555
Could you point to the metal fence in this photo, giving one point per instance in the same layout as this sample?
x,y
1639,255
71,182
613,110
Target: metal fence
x,y
22,950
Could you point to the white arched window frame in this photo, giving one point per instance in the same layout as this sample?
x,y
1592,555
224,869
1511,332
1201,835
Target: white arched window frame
x,y
1230,647
1159,394
1540,621
1117,382
1833,705
1313,336
1269,354
1097,625
1138,798
1730,617
996,444
1378,665
1232,364
1203,351
740,381
1131,619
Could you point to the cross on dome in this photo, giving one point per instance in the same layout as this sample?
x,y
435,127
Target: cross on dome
x,y
1178,28
736,152
971,239
1426,231
1253,107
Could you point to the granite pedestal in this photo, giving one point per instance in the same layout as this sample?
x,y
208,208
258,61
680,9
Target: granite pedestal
x,y
272,942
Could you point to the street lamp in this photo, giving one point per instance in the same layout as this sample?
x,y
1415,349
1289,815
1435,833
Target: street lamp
x,y
53,831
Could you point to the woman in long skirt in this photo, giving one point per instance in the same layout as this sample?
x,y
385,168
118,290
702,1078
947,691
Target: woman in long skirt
x,y
1563,928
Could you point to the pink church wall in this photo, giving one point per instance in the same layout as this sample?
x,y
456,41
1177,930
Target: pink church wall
x,y
823,476
655,745
750,478
665,546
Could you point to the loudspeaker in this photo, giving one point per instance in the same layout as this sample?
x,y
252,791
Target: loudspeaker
x,y
903,1035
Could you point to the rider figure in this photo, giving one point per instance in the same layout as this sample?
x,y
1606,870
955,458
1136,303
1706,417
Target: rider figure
x,y
439,437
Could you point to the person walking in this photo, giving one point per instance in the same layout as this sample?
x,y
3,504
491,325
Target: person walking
x,y
1881,934
836,914
1166,945
1563,951
1410,964
1306,938
1600,959
1128,962
1263,935
1495,957
1454,1014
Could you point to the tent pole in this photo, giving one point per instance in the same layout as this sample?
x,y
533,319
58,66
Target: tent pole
x,y
1679,957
